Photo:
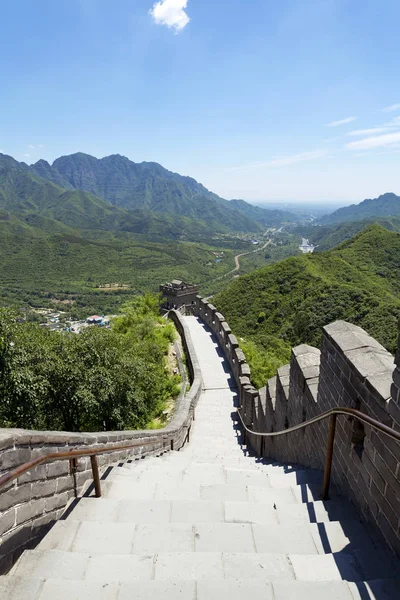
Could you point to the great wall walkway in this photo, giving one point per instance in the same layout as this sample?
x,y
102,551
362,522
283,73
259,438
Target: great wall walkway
x,y
206,523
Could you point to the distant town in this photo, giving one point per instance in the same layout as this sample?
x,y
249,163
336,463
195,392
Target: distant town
x,y
58,321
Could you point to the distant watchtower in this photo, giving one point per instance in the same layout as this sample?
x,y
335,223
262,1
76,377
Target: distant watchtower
x,y
178,293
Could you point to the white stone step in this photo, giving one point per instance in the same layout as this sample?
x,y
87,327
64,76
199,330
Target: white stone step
x,y
198,527
26,588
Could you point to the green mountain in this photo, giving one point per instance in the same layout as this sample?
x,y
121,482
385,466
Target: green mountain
x,y
326,237
387,205
149,186
26,193
288,303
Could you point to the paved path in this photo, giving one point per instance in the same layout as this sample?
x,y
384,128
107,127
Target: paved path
x,y
206,523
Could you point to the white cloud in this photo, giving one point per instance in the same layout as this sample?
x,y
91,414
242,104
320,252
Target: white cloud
x,y
342,122
27,155
391,108
285,161
170,13
376,141
372,131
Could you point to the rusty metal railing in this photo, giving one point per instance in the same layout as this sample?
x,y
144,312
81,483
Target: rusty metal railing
x,y
92,452
168,442
332,415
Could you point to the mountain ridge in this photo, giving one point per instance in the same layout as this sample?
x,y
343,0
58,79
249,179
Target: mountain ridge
x,y
386,205
148,185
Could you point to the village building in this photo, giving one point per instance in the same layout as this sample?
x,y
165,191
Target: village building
x,y
178,293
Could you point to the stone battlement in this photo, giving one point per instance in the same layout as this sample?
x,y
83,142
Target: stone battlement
x,y
350,370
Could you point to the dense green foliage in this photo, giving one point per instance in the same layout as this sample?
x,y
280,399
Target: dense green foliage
x,y
387,205
98,380
288,303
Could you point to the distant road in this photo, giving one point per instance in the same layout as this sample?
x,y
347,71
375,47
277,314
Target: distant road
x,y
237,263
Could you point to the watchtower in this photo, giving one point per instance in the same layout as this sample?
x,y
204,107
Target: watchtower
x,y
178,293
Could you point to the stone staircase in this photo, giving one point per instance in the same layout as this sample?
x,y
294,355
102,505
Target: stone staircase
x,y
208,522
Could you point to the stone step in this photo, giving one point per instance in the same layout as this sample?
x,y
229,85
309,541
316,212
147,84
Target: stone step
x,y
170,490
25,588
183,535
186,566
210,473
190,487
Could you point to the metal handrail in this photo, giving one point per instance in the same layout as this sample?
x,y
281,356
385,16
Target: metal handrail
x,y
74,454
94,452
332,414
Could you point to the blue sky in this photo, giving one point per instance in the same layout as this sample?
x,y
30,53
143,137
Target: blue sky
x,y
258,99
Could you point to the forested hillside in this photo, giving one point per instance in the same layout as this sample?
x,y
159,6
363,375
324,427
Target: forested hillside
x,y
99,380
280,306
42,263
387,205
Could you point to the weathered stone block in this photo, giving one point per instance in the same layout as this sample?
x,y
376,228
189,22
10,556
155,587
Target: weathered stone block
x,y
26,512
41,489
10,459
55,502
17,494
58,468
7,520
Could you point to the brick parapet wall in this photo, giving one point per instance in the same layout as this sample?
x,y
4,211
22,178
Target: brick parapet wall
x,y
31,503
351,370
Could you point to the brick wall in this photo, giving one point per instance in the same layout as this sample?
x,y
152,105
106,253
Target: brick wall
x,y
351,370
31,503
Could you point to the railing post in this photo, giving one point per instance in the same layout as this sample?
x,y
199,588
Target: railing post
x,y
96,476
329,456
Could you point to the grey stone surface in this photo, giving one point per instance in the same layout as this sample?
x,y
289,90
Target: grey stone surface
x,y
197,511
51,564
257,566
151,590
234,590
223,537
250,512
61,536
326,567
119,568
104,538
78,590
284,539
19,588
188,566
144,511
174,537
316,590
